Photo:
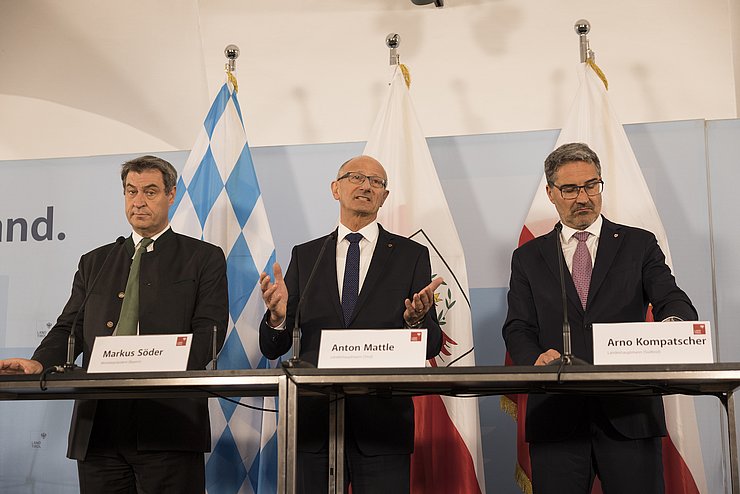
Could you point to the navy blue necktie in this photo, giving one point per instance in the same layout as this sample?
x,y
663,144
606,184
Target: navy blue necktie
x,y
351,285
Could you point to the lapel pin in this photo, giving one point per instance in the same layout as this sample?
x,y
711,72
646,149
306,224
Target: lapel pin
x,y
616,235
390,244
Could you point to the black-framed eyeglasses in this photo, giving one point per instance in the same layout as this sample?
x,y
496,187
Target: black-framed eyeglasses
x,y
571,191
358,179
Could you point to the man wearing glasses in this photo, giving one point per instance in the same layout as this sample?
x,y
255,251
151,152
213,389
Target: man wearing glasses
x,y
365,278
614,273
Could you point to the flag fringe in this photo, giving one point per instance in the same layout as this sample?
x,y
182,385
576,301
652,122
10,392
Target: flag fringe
x,y
508,406
524,483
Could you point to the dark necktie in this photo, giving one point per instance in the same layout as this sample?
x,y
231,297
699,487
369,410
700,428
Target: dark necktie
x,y
351,285
582,267
129,320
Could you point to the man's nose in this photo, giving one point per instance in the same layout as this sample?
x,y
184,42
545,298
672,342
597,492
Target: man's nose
x,y
582,197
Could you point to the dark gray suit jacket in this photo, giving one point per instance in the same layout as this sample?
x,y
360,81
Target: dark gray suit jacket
x,y
183,289
629,273
399,268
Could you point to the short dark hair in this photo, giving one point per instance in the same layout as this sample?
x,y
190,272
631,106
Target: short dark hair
x,y
568,153
148,162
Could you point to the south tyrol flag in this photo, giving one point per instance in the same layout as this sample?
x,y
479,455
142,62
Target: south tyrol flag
x,y
218,200
627,200
416,207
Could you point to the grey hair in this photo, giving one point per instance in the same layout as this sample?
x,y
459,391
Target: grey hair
x,y
568,153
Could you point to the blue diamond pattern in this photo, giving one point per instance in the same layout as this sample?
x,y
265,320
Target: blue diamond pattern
x,y
179,194
238,108
242,187
205,187
217,109
242,275
263,474
225,471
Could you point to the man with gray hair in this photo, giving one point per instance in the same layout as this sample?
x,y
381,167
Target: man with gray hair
x,y
614,273
141,445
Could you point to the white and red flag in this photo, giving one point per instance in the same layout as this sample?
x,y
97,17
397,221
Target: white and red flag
x,y
447,454
627,200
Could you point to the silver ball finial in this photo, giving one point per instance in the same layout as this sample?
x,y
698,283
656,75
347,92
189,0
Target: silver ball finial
x,y
231,52
393,40
582,27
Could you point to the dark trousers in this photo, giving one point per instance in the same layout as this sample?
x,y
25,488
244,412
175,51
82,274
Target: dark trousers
x,y
114,465
624,466
382,474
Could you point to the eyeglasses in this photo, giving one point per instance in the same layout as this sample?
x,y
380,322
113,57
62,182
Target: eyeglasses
x,y
572,191
358,179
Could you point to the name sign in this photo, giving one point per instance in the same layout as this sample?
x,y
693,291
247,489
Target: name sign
x,y
681,342
372,348
140,353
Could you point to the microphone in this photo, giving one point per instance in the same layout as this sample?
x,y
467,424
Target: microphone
x,y
567,357
214,346
295,360
69,365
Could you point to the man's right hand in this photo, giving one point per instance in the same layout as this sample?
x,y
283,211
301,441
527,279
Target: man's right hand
x,y
547,357
20,366
275,296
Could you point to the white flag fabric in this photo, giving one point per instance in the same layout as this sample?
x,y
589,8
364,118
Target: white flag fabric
x,y
218,200
627,200
416,207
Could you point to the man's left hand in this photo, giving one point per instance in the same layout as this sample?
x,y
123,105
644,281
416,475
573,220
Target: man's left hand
x,y
420,303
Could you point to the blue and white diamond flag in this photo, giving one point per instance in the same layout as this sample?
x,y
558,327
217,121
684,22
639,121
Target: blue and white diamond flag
x,y
218,200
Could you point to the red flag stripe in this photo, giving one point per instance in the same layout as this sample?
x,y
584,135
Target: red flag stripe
x,y
447,467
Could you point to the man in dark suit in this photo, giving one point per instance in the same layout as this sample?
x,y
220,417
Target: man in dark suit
x,y
392,290
573,438
152,445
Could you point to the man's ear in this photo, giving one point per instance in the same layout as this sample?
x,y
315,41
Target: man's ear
x,y
550,191
335,189
385,196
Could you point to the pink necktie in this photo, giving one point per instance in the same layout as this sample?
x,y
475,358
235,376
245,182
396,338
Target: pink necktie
x,y
582,267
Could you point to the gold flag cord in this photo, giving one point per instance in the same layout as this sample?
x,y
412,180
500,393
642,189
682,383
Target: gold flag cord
x,y
232,79
406,75
598,71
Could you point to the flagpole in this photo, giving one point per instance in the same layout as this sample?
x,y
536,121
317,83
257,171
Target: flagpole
x,y
392,41
582,27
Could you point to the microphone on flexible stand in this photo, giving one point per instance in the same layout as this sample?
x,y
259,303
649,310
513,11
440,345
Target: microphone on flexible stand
x,y
295,359
69,365
567,357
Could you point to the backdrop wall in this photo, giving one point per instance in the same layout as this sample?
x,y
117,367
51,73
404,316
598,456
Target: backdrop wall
x,y
72,205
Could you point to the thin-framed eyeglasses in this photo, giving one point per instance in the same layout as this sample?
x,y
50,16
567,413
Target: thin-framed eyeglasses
x,y
358,178
571,191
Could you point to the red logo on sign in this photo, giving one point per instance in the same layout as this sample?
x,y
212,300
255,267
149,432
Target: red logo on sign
x,y
181,341
416,336
700,329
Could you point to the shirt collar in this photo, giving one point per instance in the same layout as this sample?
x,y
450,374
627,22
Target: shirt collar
x,y
370,232
594,229
137,238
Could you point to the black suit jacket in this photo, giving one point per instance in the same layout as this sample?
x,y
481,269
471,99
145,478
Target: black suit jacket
x,y
399,268
183,289
629,273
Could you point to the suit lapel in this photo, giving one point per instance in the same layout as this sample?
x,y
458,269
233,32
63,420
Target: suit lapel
x,y
609,243
327,270
383,251
549,251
